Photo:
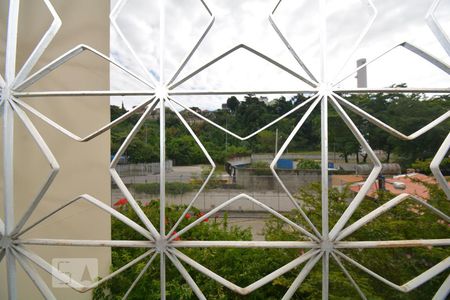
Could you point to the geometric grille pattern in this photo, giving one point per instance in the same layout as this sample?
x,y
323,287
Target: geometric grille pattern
x,y
322,245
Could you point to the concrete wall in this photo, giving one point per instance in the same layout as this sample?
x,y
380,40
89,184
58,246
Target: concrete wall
x,y
209,199
292,179
84,167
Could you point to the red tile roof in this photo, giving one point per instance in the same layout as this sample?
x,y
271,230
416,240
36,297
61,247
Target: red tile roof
x,y
413,185
346,179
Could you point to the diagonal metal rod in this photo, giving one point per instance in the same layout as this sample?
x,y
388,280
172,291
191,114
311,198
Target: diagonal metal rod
x,y
443,291
302,276
119,181
236,198
349,277
194,49
2,254
290,48
20,86
135,282
45,150
63,277
251,50
437,29
211,161
35,277
387,128
252,287
410,285
408,46
113,18
186,276
370,179
42,45
385,207
362,35
91,200
306,102
94,134
434,166
280,153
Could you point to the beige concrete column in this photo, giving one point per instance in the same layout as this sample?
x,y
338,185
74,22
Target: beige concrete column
x,y
84,166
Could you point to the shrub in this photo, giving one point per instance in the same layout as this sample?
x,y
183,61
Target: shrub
x,y
307,164
261,168
172,188
423,166
241,266
244,266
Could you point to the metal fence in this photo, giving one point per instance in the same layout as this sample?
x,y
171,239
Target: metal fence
x,y
322,245
143,169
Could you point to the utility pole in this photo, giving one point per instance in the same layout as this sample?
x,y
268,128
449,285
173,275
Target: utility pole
x,y
226,133
276,141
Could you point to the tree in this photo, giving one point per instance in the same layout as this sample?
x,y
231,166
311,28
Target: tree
x,y
407,221
415,110
341,138
232,103
184,151
237,265
138,151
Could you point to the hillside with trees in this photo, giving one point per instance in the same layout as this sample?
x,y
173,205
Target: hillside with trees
x,y
405,112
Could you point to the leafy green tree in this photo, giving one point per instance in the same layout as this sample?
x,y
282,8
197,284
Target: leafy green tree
x,y
184,151
265,141
232,103
247,116
341,139
138,152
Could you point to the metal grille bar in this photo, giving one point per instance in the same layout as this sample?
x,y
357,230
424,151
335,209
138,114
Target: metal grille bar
x,y
163,93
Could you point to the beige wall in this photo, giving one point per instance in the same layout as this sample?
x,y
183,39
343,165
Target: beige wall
x,y
84,167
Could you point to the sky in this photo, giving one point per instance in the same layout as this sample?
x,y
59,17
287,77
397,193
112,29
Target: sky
x,y
247,22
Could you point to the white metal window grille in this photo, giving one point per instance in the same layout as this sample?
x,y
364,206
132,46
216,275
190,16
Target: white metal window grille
x,y
322,245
